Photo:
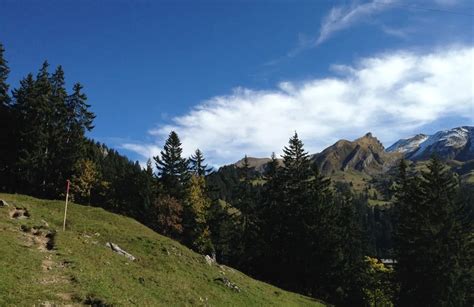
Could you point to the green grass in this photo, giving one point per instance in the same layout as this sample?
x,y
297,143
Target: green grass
x,y
359,180
81,267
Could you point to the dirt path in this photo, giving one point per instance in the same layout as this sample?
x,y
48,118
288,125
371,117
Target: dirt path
x,y
42,238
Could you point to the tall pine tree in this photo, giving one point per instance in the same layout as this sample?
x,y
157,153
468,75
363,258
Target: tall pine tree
x,y
7,122
433,240
173,168
197,165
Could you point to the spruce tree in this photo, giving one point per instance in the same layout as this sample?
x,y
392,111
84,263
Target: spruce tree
x,y
433,241
7,122
4,71
77,120
296,161
60,167
271,167
248,238
288,239
172,167
32,136
148,191
197,165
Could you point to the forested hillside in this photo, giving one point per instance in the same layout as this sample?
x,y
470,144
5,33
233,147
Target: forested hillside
x,y
286,223
41,265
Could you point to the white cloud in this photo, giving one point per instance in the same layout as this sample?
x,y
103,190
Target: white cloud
x,y
342,17
390,94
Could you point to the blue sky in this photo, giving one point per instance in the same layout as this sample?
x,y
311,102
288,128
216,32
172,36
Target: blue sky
x,y
238,77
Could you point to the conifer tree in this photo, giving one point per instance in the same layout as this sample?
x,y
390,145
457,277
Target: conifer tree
x,y
148,190
271,222
197,165
433,241
271,167
4,71
7,122
77,120
46,112
296,161
288,239
32,136
172,167
248,236
60,167
51,133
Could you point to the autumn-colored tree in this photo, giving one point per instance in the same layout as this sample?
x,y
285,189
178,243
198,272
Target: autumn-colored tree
x,y
196,232
380,290
167,217
86,178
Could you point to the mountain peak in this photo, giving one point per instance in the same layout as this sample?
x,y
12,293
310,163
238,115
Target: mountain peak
x,y
365,154
456,143
368,140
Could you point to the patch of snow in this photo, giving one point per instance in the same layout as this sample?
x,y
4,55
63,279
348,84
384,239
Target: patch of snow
x,y
454,138
408,145
441,141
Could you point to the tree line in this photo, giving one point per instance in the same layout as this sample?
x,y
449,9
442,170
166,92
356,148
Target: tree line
x,y
289,226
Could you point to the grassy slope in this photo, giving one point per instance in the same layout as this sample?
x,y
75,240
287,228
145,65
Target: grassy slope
x,y
80,266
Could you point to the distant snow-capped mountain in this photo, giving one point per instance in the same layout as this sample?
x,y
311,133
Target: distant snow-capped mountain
x,y
409,145
456,143
367,155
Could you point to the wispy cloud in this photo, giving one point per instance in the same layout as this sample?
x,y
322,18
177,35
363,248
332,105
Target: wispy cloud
x,y
390,94
343,17
339,18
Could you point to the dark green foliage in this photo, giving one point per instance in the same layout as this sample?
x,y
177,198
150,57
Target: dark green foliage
x,y
124,186
313,238
434,246
7,126
197,165
51,132
45,138
172,168
223,183
247,224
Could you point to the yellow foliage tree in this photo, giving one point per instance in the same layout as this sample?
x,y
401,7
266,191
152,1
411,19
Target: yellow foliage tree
x,y
197,207
86,178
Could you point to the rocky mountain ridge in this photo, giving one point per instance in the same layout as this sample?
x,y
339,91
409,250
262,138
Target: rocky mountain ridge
x,y
451,144
365,154
368,155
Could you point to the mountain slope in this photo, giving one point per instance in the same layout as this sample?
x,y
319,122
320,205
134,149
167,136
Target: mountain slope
x,y
452,144
409,145
40,263
365,154
257,164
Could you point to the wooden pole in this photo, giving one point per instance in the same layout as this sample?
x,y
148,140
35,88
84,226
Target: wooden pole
x,y
65,208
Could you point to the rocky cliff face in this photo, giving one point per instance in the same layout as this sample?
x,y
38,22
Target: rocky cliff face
x,y
365,154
